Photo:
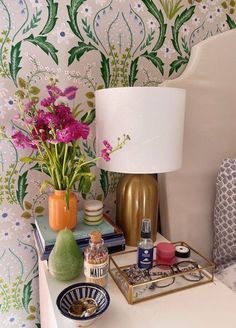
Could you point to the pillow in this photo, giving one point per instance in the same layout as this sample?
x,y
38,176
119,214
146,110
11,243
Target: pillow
x,y
224,249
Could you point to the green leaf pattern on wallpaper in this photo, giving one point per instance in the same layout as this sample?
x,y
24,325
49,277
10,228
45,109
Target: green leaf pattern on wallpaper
x,y
93,44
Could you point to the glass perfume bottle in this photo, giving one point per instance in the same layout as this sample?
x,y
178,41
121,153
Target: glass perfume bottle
x,y
145,246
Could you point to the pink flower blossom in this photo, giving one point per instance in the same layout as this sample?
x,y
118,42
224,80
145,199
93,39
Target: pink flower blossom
x,y
52,120
105,154
28,106
70,92
16,117
20,140
72,132
47,102
107,145
54,91
82,130
64,113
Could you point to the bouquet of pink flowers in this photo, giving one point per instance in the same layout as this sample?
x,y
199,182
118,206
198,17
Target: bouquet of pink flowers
x,y
50,127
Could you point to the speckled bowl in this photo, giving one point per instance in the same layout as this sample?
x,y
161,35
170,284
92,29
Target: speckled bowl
x,y
80,290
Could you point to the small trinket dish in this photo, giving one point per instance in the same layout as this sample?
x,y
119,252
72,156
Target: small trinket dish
x,y
76,301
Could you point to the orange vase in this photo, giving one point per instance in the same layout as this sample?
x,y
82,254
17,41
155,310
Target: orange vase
x,y
61,217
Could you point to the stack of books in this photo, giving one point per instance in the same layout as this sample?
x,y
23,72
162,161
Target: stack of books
x,y
45,237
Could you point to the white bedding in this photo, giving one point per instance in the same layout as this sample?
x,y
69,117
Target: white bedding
x,y
228,276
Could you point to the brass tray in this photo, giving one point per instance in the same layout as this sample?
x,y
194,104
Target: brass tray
x,y
162,280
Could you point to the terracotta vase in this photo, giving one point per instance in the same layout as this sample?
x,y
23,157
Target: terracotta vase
x,y
59,216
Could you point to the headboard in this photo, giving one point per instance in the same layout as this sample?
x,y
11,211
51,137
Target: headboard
x,y
187,196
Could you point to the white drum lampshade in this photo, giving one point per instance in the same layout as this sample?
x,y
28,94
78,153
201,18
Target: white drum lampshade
x,y
153,117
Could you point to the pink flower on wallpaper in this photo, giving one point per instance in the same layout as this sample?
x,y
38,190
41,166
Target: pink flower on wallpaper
x,y
70,92
20,140
54,91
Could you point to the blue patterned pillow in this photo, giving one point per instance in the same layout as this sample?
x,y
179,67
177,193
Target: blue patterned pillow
x,y
224,249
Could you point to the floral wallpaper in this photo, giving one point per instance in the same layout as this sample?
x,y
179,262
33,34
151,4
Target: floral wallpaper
x,y
92,44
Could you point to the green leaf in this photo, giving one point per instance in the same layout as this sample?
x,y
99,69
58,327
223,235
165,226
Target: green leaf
x,y
88,31
38,325
52,17
79,51
21,83
73,12
171,8
85,184
28,205
88,150
148,40
90,104
47,47
31,317
89,117
230,22
26,159
179,21
133,72
22,186
20,94
104,181
176,64
151,7
32,308
185,46
34,90
39,209
34,21
105,70
152,56
26,215
14,64
27,295
90,95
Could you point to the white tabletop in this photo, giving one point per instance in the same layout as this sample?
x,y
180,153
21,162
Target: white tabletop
x,y
211,305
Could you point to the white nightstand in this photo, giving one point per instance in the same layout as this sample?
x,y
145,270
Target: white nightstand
x,y
208,306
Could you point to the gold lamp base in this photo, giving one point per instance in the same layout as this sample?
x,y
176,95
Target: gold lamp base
x,y
136,199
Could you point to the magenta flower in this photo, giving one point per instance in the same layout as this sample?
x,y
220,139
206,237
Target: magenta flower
x,y
64,114
28,106
107,145
65,135
47,102
52,120
20,140
81,130
105,154
72,132
54,91
70,92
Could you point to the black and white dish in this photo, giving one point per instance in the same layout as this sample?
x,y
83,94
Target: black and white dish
x,y
80,291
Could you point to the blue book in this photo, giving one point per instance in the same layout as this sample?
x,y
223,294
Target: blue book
x,y
81,231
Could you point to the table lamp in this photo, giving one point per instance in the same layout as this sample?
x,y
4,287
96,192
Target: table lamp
x,y
153,117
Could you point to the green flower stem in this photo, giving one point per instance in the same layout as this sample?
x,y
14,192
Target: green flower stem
x,y
6,37
51,164
64,160
26,20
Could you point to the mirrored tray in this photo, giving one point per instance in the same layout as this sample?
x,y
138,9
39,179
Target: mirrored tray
x,y
139,284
